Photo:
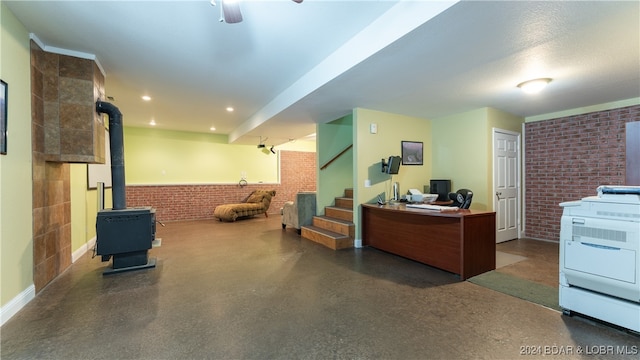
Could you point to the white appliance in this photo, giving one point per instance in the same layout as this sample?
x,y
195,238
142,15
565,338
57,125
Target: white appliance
x,y
418,197
600,256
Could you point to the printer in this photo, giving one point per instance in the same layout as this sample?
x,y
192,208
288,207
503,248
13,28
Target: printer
x,y
600,256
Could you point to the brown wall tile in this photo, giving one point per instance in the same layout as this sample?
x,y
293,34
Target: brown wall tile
x,y
55,193
64,259
40,276
39,193
65,237
76,142
51,267
74,91
77,68
50,63
74,116
51,90
37,110
51,242
39,221
37,138
54,216
39,171
39,249
54,171
37,81
51,139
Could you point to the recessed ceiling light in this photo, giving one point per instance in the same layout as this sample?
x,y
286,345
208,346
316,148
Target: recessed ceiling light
x,y
229,109
212,128
534,86
146,97
152,122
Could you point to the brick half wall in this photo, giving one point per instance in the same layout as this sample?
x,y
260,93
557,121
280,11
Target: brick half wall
x,y
566,159
196,202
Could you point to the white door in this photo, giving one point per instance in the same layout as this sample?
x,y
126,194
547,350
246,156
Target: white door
x,y
506,183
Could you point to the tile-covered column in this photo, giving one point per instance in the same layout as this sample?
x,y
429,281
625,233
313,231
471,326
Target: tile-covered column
x,y
65,128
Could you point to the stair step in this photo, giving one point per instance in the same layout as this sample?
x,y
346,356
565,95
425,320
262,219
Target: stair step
x,y
340,226
348,193
344,202
330,239
339,213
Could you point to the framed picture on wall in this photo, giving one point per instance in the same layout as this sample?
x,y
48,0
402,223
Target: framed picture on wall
x,y
412,152
3,117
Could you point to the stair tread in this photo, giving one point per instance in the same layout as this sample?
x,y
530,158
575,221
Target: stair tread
x,y
330,218
338,207
326,232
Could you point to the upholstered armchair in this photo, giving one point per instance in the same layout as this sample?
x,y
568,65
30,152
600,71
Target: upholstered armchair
x,y
300,212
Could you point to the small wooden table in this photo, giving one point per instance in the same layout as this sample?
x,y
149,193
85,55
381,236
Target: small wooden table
x,y
462,242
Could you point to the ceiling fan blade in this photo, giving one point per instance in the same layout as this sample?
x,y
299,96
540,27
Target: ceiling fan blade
x,y
298,1
231,10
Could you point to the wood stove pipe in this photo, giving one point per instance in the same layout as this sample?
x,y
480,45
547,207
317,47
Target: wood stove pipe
x,y
116,138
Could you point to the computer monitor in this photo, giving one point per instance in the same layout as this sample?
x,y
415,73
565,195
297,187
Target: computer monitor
x,y
440,187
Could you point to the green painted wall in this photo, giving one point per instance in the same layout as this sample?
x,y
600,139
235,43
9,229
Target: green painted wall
x,y
463,150
503,120
154,156
16,234
84,208
333,137
370,149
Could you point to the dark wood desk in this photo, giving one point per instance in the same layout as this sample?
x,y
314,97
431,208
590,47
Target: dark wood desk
x,y
462,242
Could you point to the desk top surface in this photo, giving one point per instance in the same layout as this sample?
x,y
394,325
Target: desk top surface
x,y
401,207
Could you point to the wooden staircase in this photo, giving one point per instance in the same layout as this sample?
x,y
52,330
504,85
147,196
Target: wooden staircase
x,y
335,229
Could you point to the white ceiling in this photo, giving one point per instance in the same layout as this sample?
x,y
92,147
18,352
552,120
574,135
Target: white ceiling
x,y
288,66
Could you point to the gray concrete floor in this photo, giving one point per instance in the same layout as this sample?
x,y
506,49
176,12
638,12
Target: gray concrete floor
x,y
249,290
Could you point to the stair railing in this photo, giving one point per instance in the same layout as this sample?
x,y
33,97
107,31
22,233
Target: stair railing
x,y
335,157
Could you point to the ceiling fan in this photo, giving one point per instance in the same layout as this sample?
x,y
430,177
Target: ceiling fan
x,y
230,10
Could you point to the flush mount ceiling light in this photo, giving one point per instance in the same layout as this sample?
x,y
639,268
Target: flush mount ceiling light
x,y
229,109
534,86
146,97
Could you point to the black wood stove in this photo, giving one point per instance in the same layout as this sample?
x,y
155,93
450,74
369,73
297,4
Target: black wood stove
x,y
123,234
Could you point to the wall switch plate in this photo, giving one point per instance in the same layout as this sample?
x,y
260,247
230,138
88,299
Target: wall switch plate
x,y
373,128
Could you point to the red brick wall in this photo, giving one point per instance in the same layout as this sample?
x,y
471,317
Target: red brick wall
x,y
194,202
566,159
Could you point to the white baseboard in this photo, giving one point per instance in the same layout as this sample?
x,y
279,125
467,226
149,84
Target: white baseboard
x,y
83,249
357,243
12,307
